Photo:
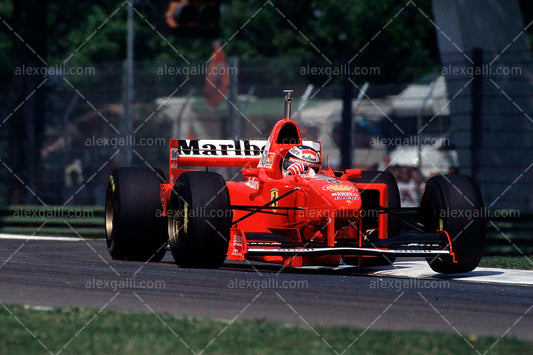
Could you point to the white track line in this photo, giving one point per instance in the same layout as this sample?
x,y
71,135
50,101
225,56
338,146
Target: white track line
x,y
419,269
39,237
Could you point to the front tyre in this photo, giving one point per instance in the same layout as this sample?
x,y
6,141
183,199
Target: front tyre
x,y
134,227
199,220
453,203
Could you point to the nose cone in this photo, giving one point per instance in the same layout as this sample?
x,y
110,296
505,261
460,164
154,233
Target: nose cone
x,y
342,195
326,196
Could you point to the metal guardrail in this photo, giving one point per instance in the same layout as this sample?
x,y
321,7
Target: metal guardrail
x,y
505,236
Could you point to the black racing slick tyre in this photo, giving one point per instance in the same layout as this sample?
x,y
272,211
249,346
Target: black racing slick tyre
x,y
453,203
370,201
199,220
134,227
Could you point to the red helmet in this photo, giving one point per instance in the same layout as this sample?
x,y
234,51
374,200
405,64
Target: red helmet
x,y
299,160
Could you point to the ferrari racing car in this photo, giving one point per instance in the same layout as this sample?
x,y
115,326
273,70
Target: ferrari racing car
x,y
286,208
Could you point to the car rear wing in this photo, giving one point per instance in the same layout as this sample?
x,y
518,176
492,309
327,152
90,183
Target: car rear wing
x,y
211,152
217,152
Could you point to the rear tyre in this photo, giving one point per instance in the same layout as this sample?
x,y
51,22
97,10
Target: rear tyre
x,y
370,201
453,203
134,227
200,220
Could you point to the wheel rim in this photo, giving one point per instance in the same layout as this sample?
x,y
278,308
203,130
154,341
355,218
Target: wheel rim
x,y
173,230
175,223
109,213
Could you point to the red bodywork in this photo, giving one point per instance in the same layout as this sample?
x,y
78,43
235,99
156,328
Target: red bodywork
x,y
313,214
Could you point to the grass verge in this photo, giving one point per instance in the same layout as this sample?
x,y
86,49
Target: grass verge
x,y
24,331
508,262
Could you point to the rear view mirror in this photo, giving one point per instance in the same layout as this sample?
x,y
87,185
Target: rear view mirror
x,y
248,173
351,174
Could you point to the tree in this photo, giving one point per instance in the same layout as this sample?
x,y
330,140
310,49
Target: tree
x,y
26,96
404,50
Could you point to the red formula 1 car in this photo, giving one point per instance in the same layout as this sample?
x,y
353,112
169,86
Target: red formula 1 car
x,y
286,209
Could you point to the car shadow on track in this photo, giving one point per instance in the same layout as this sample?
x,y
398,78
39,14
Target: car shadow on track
x,y
344,270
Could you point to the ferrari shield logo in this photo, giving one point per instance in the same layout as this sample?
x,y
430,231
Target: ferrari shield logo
x,y
274,195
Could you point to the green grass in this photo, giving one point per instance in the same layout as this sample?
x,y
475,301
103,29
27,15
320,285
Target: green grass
x,y
96,209
92,221
508,262
87,331
88,221
59,231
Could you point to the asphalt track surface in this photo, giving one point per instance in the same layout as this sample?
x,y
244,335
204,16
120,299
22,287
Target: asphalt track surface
x,y
67,273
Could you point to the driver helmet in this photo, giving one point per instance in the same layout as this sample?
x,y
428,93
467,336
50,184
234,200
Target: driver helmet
x,y
301,159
